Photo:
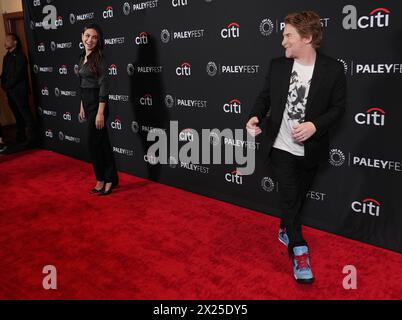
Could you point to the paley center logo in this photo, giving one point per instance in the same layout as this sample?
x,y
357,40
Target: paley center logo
x,y
46,112
108,12
171,101
131,69
66,93
81,17
64,45
167,35
231,31
336,157
37,69
372,117
184,69
213,69
358,68
128,8
377,18
266,27
368,205
63,137
268,184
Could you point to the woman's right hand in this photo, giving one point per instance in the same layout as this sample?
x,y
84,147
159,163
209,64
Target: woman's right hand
x,y
82,113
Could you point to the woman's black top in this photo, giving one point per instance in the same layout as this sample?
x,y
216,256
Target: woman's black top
x,y
90,80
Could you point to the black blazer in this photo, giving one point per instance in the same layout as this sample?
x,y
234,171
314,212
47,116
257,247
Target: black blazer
x,y
325,105
15,78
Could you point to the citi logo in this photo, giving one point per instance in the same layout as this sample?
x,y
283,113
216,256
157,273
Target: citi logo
x,y
113,70
370,206
184,69
151,159
116,124
67,116
146,100
142,38
108,13
231,31
186,135
59,21
179,3
233,106
41,47
234,177
49,133
63,69
373,116
45,91
36,3
378,18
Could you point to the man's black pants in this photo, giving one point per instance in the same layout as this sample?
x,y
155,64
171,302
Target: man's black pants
x,y
294,179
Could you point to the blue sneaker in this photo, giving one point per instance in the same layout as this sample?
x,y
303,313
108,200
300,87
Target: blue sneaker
x,y
301,265
283,237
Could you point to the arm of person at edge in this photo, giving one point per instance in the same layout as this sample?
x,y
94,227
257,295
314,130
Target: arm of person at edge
x,y
103,88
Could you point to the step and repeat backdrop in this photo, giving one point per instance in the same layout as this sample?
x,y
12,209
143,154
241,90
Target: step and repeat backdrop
x,y
178,67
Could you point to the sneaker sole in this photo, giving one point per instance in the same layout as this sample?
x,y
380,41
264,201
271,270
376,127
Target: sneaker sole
x,y
283,242
304,281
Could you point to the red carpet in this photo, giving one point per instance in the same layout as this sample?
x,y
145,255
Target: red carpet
x,y
151,241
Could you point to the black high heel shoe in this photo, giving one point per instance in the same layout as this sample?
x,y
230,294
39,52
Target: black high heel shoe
x,y
94,190
106,192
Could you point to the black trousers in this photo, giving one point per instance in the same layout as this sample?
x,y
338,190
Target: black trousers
x,y
99,147
294,180
23,116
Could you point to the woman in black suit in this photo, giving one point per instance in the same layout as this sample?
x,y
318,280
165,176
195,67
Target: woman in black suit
x,y
92,71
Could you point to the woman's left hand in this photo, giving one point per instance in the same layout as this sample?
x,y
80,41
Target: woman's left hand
x,y
99,121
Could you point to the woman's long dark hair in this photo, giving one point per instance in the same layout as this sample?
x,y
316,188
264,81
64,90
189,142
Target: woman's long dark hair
x,y
96,55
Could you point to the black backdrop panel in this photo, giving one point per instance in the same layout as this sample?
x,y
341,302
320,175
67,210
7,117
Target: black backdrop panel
x,y
201,64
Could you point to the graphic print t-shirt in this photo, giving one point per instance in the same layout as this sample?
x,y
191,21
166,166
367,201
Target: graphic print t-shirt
x,y
295,109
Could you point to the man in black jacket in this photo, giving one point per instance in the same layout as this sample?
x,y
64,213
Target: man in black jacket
x,y
303,96
15,82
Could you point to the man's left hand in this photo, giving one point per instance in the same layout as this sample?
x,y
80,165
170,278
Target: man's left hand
x,y
303,131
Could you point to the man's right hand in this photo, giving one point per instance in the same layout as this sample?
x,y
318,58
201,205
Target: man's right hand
x,y
252,127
